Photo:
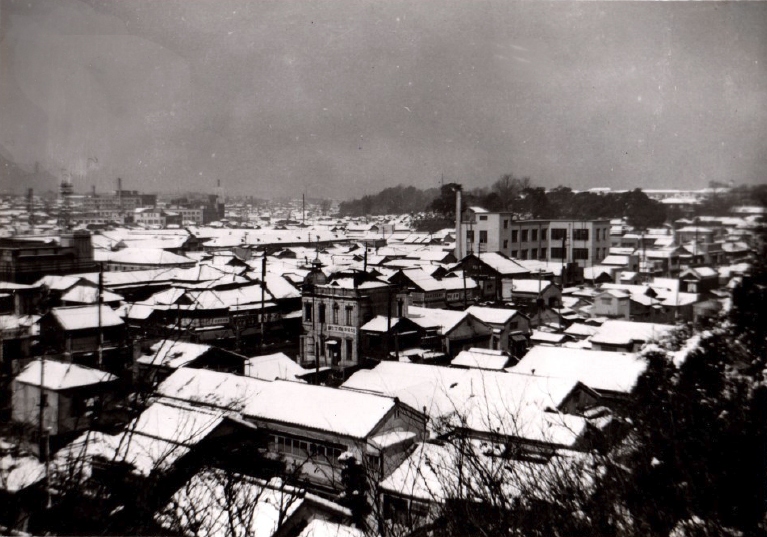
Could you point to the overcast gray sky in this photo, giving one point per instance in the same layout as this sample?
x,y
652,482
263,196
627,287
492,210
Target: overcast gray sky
x,y
342,98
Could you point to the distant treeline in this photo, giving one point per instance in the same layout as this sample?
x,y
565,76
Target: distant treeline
x,y
395,200
521,197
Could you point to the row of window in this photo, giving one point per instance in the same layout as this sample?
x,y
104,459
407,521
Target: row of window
x,y
556,253
305,448
321,314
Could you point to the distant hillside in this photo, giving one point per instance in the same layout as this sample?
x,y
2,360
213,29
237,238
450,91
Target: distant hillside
x,y
15,179
396,200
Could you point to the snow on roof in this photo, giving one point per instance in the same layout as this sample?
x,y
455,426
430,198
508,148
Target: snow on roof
x,y
173,354
148,256
152,442
481,359
175,422
458,284
547,337
273,366
280,288
444,320
529,286
422,279
342,412
592,273
201,386
502,264
86,294
486,401
136,311
581,329
379,323
617,260
615,293
599,370
702,272
615,332
492,315
62,376
18,473
198,273
433,472
83,317
391,438
212,502
58,283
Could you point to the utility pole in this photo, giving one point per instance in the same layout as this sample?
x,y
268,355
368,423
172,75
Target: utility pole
x,y
263,292
99,302
43,434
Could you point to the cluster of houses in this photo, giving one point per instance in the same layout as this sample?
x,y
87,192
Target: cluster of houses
x,y
196,356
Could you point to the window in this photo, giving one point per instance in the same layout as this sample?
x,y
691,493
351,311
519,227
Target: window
x,y
505,224
534,253
514,235
483,218
348,319
523,254
322,313
597,231
580,253
558,234
543,234
349,350
581,234
557,253
470,236
505,243
524,235
335,313
534,235
513,253
483,237
307,312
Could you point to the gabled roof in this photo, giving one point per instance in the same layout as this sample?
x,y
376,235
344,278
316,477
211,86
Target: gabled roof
x,y
481,359
443,320
614,332
490,401
226,391
173,354
529,286
342,412
59,283
61,376
86,294
502,264
496,316
599,370
83,317
616,260
148,256
274,366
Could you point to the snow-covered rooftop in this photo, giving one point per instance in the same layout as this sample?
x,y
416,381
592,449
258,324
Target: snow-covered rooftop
x,y
342,412
481,359
615,332
273,366
83,317
226,391
61,376
600,370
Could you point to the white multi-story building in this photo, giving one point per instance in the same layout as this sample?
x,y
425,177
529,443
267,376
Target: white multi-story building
x,y
585,242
